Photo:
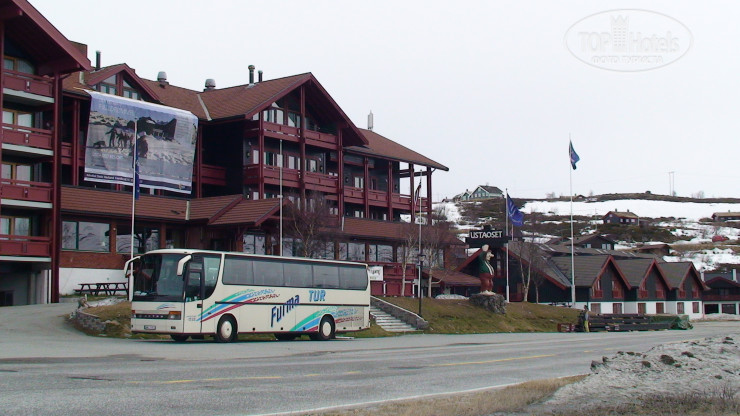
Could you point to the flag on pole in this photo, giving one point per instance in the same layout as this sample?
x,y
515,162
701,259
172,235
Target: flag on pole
x,y
417,192
573,156
516,216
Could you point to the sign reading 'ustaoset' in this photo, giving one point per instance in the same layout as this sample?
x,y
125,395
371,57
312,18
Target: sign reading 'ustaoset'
x,y
628,40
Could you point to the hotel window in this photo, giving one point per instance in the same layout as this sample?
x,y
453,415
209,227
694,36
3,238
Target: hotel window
x,y
695,307
11,225
294,119
254,244
19,65
18,118
145,239
108,86
130,92
359,182
312,165
292,162
271,159
85,236
17,171
380,253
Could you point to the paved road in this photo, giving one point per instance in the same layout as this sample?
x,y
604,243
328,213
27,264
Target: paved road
x,y
48,368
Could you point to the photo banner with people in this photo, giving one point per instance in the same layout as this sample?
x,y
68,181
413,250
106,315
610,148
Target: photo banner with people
x,y
164,139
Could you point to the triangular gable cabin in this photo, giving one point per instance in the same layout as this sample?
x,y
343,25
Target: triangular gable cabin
x,y
723,295
594,241
617,217
686,288
599,282
649,290
36,57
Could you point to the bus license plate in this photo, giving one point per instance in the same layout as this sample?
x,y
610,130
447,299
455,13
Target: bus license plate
x,y
150,327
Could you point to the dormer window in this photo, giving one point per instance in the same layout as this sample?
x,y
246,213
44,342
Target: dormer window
x,y
108,86
129,91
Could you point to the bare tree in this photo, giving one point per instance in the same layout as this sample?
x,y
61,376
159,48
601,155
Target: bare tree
x,y
435,236
407,254
312,223
531,264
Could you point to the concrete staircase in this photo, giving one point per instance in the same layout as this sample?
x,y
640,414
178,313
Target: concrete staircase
x,y
389,322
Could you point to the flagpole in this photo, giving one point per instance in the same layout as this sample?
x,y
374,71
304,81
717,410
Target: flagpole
x,y
572,250
133,187
280,200
506,227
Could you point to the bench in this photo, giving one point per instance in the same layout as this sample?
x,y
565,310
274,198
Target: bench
x,y
622,322
107,288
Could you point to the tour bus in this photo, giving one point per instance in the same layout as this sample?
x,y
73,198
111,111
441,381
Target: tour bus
x,y
191,293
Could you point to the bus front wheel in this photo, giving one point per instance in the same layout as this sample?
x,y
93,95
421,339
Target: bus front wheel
x,y
326,330
226,330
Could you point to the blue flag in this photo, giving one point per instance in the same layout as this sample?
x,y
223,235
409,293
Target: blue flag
x,y
573,156
516,216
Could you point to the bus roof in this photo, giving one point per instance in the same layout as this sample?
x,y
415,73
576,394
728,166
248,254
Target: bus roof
x,y
262,256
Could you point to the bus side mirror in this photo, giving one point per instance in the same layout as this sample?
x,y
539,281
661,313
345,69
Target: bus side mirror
x,y
181,264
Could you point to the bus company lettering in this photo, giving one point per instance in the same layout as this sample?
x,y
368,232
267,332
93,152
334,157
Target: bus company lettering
x,y
317,295
279,312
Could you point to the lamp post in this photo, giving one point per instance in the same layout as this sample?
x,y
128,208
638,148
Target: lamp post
x,y
421,266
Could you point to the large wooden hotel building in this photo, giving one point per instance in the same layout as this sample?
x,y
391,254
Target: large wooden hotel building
x,y
59,230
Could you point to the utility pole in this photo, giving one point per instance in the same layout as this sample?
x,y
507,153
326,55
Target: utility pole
x,y
670,183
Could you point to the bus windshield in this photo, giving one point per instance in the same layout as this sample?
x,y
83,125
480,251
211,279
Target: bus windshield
x,y
155,278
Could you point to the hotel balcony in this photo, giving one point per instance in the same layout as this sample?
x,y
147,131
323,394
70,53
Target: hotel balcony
x,y
27,140
313,138
23,246
26,193
27,88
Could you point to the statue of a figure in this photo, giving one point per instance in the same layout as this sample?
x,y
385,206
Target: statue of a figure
x,y
485,270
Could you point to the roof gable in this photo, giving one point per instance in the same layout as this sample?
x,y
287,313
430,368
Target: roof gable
x,y
86,80
30,31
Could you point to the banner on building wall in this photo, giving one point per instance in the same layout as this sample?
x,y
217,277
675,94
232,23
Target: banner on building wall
x,y
164,139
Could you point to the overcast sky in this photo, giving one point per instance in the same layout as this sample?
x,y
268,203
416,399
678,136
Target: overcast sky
x,y
490,89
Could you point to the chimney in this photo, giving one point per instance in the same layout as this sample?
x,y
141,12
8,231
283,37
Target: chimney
x,y
251,74
370,121
259,76
97,60
734,275
210,84
162,78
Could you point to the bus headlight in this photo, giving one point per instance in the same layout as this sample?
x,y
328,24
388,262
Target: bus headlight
x,y
174,315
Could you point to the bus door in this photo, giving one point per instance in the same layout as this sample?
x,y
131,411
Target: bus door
x,y
193,299
200,283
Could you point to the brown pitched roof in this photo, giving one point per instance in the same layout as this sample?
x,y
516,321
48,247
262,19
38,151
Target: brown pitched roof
x,y
118,204
383,147
248,212
85,80
178,97
207,208
373,228
30,31
454,278
246,100
588,268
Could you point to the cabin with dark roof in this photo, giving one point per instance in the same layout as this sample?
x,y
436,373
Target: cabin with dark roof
x,y
621,217
723,294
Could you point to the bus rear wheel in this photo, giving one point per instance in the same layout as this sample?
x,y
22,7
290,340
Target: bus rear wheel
x,y
326,330
179,338
226,330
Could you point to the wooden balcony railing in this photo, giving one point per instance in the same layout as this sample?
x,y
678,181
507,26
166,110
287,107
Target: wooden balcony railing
x,y
26,190
317,138
31,84
18,245
213,175
642,294
27,136
598,294
729,297
277,130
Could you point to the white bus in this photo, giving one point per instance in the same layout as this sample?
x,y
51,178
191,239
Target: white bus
x,y
187,293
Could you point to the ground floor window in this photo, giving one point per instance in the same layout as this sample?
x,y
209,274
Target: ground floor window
x,y
695,307
85,236
145,239
254,243
596,307
641,308
660,307
679,308
617,308
729,308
